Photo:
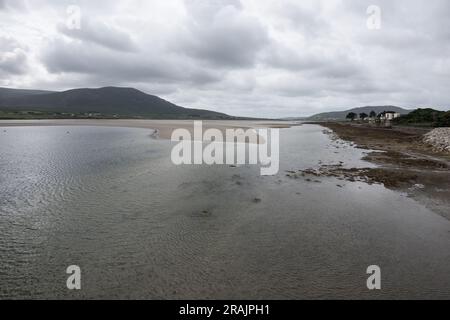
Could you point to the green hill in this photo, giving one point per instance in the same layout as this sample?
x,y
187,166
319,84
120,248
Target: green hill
x,y
108,101
341,115
426,117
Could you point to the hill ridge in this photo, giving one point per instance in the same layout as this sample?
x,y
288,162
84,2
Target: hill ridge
x,y
109,100
341,115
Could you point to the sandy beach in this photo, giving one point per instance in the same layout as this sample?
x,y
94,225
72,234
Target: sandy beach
x,y
164,127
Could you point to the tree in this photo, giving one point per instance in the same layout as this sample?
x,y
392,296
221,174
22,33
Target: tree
x,y
444,120
373,114
363,115
352,116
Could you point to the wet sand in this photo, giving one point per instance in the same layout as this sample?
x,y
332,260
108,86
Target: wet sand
x,y
164,128
405,163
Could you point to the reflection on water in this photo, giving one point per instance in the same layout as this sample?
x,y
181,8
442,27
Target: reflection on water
x,y
110,201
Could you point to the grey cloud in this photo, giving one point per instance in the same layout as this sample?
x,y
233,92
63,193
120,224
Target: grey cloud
x,y
341,68
98,32
203,10
13,58
265,58
306,20
17,5
227,38
334,64
315,73
280,56
13,62
72,57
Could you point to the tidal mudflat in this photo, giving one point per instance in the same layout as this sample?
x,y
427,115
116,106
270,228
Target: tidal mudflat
x,y
110,200
163,128
407,162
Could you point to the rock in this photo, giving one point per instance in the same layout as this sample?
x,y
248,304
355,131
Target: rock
x,y
439,139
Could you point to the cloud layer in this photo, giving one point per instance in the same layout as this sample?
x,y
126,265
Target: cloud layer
x,y
249,57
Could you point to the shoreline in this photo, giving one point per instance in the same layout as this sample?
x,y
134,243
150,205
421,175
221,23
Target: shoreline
x,y
405,163
164,128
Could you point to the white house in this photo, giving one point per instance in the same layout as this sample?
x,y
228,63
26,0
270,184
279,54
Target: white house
x,y
389,115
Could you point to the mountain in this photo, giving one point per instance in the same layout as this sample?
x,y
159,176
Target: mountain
x,y
123,102
293,119
341,115
12,93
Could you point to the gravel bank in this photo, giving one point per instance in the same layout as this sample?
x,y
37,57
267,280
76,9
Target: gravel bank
x,y
439,139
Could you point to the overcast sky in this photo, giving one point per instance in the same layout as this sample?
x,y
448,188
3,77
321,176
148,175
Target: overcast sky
x,y
251,57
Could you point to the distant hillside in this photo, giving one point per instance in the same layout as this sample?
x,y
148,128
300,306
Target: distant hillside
x,y
340,115
426,117
293,119
125,102
6,93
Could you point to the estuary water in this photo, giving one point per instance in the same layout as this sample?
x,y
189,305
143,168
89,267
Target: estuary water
x,y
110,201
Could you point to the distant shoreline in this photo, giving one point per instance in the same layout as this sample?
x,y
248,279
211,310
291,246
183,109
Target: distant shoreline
x,y
164,127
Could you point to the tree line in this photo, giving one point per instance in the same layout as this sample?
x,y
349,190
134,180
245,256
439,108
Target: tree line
x,y
352,116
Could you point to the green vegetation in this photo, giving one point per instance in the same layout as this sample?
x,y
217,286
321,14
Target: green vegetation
x,y
425,117
363,115
341,115
8,114
444,120
107,102
352,116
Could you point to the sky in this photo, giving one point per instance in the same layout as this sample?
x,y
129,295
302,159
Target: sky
x,y
256,58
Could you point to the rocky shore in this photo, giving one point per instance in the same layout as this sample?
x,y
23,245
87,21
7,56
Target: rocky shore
x,y
439,139
409,160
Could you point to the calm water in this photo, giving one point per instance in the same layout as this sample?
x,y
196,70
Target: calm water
x,y
110,201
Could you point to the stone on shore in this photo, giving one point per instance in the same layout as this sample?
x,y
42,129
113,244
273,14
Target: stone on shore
x,y
439,139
